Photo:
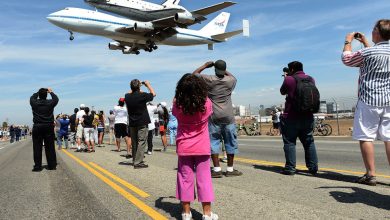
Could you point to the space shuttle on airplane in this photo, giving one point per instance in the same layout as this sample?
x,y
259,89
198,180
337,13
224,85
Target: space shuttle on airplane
x,y
131,36
169,13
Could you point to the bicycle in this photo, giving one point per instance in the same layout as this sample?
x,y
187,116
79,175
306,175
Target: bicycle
x,y
321,129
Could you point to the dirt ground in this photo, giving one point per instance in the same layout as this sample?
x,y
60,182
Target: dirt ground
x,y
345,126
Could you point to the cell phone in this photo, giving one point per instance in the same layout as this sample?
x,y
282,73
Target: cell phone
x,y
210,65
143,82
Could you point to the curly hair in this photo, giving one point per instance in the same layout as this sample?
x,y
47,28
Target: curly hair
x,y
191,94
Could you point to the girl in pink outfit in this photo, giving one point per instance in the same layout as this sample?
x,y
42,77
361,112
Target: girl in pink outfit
x,y
192,109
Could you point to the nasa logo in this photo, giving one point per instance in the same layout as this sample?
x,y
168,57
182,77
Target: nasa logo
x,y
221,21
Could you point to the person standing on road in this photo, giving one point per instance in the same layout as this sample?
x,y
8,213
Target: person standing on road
x,y
138,119
193,109
296,124
121,131
372,115
221,123
63,132
172,128
111,124
80,129
89,131
163,118
151,126
43,128
72,133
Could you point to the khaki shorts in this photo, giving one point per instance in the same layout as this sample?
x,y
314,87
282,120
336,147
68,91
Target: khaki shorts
x,y
371,123
79,132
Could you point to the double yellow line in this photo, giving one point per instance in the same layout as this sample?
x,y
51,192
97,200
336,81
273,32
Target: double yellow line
x,y
138,203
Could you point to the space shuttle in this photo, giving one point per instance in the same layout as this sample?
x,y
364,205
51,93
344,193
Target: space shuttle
x,y
169,13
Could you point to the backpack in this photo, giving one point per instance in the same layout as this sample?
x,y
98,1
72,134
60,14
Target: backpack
x,y
307,96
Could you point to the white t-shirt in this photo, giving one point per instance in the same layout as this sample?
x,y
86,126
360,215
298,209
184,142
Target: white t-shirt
x,y
151,110
80,115
120,115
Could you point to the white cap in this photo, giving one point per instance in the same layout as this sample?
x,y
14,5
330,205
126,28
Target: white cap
x,y
82,106
163,104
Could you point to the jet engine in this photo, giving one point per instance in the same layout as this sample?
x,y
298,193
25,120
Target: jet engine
x,y
184,18
115,46
143,26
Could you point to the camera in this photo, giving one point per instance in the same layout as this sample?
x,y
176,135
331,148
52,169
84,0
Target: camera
x,y
286,70
357,35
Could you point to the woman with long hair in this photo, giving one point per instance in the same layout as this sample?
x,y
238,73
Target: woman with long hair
x,y
192,109
100,128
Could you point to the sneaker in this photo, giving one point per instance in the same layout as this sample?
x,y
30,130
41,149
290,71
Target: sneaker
x,y
287,172
223,160
313,172
211,217
149,152
37,169
165,149
140,166
367,180
186,216
215,174
233,173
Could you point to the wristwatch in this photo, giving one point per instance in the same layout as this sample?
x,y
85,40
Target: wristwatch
x,y
347,42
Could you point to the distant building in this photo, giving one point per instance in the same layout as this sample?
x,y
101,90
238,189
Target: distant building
x,y
240,110
323,107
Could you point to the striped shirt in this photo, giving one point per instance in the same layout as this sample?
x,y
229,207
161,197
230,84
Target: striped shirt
x,y
374,78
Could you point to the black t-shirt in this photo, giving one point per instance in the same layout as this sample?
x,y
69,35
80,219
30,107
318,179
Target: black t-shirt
x,y
88,119
136,108
72,121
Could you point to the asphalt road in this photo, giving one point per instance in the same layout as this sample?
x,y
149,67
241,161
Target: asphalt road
x,y
103,185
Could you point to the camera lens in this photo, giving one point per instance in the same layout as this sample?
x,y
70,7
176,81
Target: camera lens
x,y
357,35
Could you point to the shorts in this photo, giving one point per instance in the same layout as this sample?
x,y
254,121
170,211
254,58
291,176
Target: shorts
x,y
227,133
79,132
89,134
121,130
100,130
275,125
371,123
72,137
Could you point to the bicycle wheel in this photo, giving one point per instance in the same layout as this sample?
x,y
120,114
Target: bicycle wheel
x,y
328,128
240,132
323,131
315,131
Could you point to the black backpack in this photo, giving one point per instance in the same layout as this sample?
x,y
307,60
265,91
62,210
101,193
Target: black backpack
x,y
307,96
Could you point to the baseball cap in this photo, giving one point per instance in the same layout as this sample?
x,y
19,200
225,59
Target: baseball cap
x,y
220,67
121,99
82,105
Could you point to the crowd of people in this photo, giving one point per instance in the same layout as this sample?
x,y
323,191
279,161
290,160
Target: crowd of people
x,y
14,133
201,122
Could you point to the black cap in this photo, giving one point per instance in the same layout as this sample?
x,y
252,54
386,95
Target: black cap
x,y
220,67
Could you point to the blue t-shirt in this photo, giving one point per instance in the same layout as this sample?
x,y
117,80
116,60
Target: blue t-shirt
x,y
64,124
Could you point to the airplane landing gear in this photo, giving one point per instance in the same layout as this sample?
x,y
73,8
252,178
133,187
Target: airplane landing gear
x,y
71,36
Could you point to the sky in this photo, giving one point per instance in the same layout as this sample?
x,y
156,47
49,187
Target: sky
x,y
34,54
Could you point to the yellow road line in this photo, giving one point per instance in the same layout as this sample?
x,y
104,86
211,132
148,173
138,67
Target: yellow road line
x,y
121,181
138,203
301,167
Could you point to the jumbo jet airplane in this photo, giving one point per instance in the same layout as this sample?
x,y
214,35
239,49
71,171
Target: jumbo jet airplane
x,y
170,13
131,36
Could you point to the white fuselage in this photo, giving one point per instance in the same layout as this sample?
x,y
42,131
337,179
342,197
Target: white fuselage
x,y
100,24
136,9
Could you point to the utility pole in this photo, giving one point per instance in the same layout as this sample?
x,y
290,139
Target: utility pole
x,y
337,117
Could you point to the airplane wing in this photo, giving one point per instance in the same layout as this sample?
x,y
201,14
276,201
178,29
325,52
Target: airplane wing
x,y
214,8
198,14
158,33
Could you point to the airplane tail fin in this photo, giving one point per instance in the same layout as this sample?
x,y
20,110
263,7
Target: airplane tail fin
x,y
217,25
171,2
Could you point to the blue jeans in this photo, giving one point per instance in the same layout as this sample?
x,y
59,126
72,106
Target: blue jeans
x,y
301,128
227,133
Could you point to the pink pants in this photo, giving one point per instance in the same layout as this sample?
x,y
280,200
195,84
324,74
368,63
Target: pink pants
x,y
185,190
